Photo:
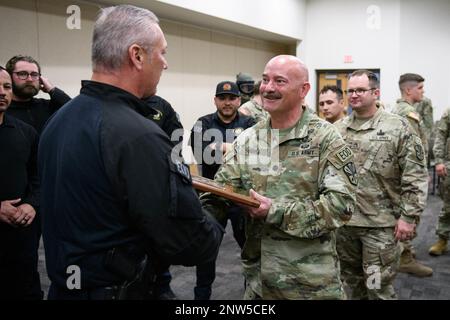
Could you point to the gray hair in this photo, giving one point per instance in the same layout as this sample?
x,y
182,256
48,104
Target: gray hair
x,y
116,29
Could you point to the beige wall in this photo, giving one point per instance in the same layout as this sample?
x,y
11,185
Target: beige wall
x,y
198,57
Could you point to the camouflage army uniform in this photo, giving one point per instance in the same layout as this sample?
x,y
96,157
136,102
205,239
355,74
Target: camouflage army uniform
x,y
425,109
406,110
292,254
441,151
392,184
254,110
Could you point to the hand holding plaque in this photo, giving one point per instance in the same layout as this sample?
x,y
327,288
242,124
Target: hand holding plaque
x,y
207,185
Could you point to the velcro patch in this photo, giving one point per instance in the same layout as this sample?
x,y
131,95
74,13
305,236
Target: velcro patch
x,y
350,171
380,138
419,152
341,156
312,152
344,154
414,116
183,170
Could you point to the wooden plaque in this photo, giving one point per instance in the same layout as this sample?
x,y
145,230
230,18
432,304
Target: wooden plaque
x,y
207,185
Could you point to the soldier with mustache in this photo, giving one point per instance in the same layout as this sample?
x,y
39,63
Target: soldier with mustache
x,y
301,171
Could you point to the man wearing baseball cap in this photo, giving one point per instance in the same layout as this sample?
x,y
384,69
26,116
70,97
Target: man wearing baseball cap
x,y
211,137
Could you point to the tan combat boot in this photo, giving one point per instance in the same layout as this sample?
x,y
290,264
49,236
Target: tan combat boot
x,y
409,265
439,247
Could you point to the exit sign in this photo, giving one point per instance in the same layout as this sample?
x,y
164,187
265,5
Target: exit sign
x,y
348,59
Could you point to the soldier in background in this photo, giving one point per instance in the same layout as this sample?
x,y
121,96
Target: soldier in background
x,y
254,108
425,109
331,103
246,86
300,170
442,158
224,125
390,196
411,88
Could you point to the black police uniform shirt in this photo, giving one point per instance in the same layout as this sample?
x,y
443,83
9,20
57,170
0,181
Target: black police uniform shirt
x,y
107,181
37,111
229,132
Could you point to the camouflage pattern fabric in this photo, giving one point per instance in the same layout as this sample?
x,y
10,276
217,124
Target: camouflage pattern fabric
x,y
441,152
254,110
406,110
425,109
392,184
310,176
391,165
376,250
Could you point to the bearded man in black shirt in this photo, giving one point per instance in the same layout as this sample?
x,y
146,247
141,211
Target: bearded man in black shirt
x,y
19,189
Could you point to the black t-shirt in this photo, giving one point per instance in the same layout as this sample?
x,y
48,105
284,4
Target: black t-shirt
x,y
222,132
36,112
18,168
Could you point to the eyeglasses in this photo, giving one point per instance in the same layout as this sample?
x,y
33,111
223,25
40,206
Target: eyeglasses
x,y
23,75
358,91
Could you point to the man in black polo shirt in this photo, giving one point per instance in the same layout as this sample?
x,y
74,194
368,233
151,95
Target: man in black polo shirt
x,y
18,198
211,137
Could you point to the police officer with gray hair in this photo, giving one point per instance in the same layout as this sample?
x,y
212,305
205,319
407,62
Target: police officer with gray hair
x,y
116,204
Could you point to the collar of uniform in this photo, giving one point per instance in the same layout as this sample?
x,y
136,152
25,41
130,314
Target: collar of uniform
x,y
109,92
370,124
8,121
299,130
401,100
220,122
257,105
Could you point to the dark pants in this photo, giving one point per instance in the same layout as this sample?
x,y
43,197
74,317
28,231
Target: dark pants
x,y
59,293
206,273
163,280
19,276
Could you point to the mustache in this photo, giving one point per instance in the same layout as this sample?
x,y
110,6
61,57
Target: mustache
x,y
271,95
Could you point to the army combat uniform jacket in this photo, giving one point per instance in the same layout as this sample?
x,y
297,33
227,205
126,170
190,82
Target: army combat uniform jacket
x,y
391,168
404,109
309,175
425,109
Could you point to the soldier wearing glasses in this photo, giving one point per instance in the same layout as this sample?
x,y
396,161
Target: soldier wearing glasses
x,y
390,196
27,82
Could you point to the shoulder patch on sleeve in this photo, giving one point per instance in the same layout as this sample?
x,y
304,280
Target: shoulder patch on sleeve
x,y
350,171
414,116
341,156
